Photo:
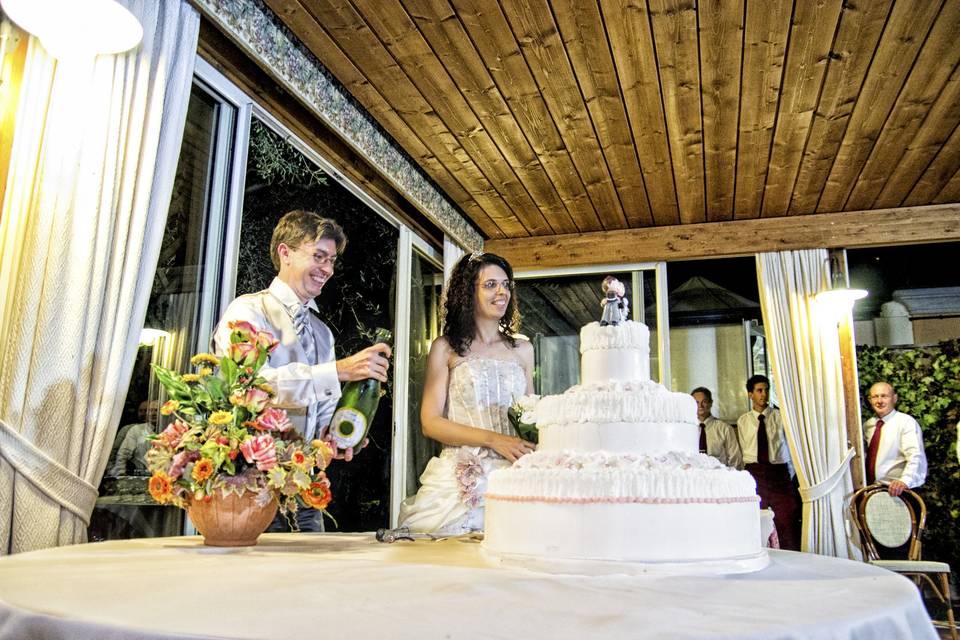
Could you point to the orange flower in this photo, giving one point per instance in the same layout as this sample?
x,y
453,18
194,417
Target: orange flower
x,y
298,457
169,407
202,469
317,495
160,487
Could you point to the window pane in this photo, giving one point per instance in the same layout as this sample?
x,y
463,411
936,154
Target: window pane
x,y
358,299
425,288
553,310
184,278
713,307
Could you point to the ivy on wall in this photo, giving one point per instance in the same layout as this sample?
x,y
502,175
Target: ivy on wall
x,y
927,383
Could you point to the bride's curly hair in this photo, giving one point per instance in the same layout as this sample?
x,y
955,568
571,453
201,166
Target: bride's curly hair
x,y
458,305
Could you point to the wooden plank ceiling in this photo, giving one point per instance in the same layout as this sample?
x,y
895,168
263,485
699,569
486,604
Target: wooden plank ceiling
x,y
543,118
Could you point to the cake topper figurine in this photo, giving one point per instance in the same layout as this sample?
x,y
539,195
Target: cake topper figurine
x,y
616,307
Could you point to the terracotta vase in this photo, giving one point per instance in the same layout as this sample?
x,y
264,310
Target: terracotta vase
x,y
232,521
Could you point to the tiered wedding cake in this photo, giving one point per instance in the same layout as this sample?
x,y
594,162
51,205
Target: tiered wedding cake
x,y
617,483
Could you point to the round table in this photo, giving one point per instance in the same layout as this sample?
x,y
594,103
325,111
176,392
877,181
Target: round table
x,y
349,586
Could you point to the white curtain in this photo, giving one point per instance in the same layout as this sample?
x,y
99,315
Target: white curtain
x,y
91,173
452,252
805,354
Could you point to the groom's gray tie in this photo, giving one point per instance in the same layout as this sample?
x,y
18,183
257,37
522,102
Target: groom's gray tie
x,y
301,322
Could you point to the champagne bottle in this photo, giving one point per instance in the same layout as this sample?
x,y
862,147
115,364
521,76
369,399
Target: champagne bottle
x,y
358,404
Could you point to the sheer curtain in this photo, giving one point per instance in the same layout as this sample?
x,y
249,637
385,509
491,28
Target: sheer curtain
x,y
91,172
805,353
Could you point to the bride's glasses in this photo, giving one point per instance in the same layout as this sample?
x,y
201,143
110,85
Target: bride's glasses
x,y
492,285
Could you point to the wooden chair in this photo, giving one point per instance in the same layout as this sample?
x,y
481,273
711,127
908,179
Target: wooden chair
x,y
888,522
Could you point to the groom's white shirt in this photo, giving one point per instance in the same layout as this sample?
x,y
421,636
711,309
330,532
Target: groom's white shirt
x,y
307,385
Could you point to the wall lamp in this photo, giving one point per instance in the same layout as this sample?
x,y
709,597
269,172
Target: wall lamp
x,y
77,28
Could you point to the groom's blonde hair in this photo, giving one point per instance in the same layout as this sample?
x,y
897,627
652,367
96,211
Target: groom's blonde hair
x,y
298,226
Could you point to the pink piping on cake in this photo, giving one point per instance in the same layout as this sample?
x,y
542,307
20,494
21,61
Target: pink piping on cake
x,y
623,500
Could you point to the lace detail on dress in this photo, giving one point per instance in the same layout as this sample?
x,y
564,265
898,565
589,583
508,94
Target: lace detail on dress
x,y
482,389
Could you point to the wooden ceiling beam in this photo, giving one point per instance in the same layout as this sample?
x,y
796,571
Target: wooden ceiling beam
x,y
849,229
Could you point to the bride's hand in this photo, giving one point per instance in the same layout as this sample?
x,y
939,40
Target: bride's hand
x,y
510,447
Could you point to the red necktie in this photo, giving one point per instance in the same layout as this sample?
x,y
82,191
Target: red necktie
x,y
703,438
763,446
872,454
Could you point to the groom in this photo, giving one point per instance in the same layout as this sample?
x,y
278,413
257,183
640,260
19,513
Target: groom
x,y
303,369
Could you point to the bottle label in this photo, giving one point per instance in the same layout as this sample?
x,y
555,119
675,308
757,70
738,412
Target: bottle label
x,y
348,427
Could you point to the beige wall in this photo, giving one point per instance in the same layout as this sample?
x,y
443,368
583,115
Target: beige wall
x,y
933,330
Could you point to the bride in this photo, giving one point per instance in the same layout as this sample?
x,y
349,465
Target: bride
x,y
475,371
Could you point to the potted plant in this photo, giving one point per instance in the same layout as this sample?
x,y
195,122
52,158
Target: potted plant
x,y
230,458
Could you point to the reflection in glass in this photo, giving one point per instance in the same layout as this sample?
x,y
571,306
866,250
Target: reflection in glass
x,y
425,287
184,278
554,309
355,301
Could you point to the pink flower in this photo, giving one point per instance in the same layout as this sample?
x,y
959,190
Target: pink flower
x,y
261,449
254,400
470,478
242,329
243,353
172,435
180,461
266,340
272,420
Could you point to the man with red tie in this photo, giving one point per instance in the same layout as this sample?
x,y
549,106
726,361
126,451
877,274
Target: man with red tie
x,y
894,443
763,443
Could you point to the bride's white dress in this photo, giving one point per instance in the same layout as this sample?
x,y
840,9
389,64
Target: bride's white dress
x,y
450,499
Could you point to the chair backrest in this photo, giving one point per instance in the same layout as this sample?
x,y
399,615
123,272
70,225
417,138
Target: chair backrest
x,y
887,522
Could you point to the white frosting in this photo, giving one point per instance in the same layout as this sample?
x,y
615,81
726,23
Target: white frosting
x,y
648,438
627,335
619,352
615,401
569,476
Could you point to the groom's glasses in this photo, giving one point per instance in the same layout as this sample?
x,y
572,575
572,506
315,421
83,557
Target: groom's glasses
x,y
492,285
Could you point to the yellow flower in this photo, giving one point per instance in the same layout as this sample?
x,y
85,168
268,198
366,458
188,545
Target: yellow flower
x,y
160,487
204,372
190,378
221,417
207,358
202,469
324,453
169,407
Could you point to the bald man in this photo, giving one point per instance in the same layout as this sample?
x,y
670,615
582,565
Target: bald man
x,y
894,443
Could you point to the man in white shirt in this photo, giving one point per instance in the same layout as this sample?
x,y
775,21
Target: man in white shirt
x,y
303,369
894,443
717,438
767,457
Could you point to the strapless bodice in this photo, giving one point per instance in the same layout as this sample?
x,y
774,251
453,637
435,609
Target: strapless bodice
x,y
482,389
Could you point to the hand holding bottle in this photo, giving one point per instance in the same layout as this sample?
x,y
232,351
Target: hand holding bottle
x,y
371,362
361,395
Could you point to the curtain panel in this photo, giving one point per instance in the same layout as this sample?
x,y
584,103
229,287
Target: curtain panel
x,y
805,354
91,174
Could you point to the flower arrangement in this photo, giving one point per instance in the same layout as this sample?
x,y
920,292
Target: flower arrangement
x,y
227,438
522,416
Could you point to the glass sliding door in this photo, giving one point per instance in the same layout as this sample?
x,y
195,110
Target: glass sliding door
x,y
184,303
556,303
426,283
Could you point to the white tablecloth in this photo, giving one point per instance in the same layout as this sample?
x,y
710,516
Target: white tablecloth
x,y
349,586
